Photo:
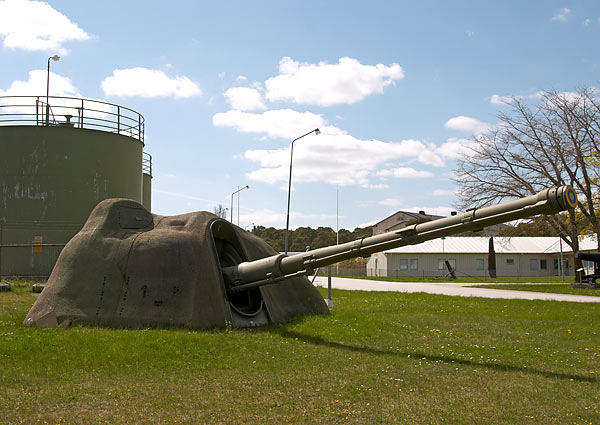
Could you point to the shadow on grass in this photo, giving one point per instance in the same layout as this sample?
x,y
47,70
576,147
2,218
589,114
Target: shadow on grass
x,y
284,332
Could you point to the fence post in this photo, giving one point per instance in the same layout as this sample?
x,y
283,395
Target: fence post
x,y
0,248
81,120
118,119
329,300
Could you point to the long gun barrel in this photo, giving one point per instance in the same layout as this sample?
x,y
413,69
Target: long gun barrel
x,y
276,268
588,256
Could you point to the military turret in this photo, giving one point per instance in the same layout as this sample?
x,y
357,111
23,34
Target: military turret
x,y
130,268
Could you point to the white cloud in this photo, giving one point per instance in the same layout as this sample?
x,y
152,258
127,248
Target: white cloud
x,y
587,21
368,223
221,75
507,100
390,202
59,86
445,192
36,85
333,157
500,100
267,217
324,84
282,123
405,173
34,25
430,156
183,195
455,147
562,15
467,125
538,95
244,98
241,78
145,82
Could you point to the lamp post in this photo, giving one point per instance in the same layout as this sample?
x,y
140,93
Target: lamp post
x,y
237,191
443,238
55,58
287,220
337,226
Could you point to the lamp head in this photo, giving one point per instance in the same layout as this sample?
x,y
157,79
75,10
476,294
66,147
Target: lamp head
x,y
55,58
317,131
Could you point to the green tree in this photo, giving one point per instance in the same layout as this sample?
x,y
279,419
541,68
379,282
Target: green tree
x,y
302,237
538,226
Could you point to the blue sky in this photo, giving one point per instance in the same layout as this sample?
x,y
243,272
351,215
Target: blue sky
x,y
398,89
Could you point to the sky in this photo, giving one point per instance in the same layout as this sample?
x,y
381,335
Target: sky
x,y
398,90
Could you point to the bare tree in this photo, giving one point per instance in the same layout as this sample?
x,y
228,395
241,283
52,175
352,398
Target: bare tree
x,y
220,211
550,143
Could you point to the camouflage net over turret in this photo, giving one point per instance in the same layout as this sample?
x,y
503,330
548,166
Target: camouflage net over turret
x,y
130,268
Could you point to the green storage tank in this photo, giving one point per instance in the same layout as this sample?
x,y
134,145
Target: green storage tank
x,y
54,171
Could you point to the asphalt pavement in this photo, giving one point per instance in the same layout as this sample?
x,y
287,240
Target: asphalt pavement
x,y
451,288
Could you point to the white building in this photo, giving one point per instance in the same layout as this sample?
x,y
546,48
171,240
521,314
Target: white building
x,y
515,256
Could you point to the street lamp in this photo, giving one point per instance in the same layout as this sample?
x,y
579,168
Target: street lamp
x,y
237,191
443,238
55,58
287,220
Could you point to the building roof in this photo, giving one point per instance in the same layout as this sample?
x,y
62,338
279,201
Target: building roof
x,y
502,245
399,219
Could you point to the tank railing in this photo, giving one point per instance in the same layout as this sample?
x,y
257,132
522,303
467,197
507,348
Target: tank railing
x,y
147,163
40,105
89,113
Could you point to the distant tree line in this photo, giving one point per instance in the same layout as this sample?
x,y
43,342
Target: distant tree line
x,y
304,237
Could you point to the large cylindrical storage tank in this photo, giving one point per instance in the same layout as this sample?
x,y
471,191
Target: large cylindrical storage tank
x,y
51,177
147,181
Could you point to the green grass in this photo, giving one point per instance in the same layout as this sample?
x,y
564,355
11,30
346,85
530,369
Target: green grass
x,y
377,358
551,288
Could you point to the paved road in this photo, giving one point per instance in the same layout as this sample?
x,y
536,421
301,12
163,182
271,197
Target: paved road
x,y
456,289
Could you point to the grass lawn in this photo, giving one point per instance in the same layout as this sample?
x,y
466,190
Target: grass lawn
x,y
551,288
466,279
390,358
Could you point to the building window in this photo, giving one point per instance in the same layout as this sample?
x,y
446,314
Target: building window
x,y
533,264
543,264
479,264
403,264
414,264
510,261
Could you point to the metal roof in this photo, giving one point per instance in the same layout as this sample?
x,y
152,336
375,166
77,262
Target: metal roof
x,y
502,245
